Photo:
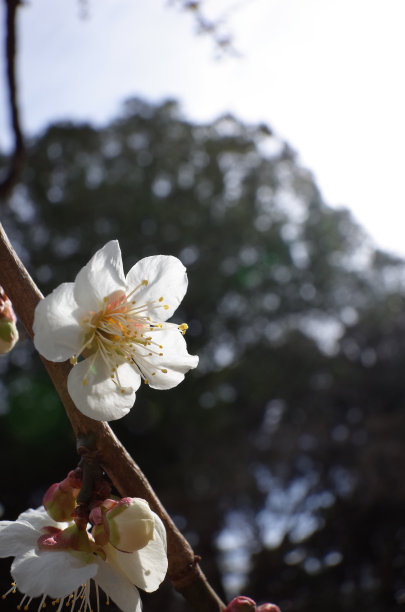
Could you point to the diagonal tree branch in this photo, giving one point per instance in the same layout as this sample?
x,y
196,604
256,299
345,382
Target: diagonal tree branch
x,y
17,157
184,571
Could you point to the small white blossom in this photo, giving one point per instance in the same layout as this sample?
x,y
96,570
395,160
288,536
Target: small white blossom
x,y
66,575
114,331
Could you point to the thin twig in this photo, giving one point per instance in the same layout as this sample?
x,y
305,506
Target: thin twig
x,y
17,157
184,571
211,27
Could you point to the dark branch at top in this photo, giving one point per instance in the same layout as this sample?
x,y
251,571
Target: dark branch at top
x,y
17,157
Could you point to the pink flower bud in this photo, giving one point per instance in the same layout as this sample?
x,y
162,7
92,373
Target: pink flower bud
x,y
59,504
60,498
99,509
241,604
131,524
73,479
8,328
268,607
98,517
6,307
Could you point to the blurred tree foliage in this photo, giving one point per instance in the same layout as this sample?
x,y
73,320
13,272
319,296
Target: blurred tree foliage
x,y
281,456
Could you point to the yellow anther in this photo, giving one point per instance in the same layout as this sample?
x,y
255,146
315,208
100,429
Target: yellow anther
x,y
18,607
145,282
183,326
166,307
164,371
73,360
84,382
25,608
146,381
153,373
161,299
160,354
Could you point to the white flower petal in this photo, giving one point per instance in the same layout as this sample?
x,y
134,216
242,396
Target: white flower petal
x,y
161,530
56,573
146,567
175,360
118,587
101,399
57,333
153,559
39,518
166,278
17,537
101,277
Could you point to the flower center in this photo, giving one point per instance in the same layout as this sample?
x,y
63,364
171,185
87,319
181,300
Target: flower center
x,y
122,331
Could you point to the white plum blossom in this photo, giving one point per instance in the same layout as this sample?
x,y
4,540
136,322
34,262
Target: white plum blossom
x,y
114,331
74,577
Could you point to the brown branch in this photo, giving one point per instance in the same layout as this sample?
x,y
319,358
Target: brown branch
x,y
17,157
184,571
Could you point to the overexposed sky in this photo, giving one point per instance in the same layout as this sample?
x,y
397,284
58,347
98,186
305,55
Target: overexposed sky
x,y
326,75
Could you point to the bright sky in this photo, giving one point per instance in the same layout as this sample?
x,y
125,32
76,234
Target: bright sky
x,y
327,75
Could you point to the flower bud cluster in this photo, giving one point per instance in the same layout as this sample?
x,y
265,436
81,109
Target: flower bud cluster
x,y
127,524
245,604
8,327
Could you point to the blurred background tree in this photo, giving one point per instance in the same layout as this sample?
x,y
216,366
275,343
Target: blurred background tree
x,y
281,456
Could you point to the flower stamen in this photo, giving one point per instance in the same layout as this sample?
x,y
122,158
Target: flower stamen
x,y
21,602
82,593
119,334
11,590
